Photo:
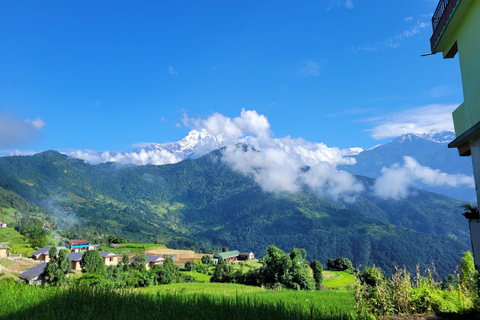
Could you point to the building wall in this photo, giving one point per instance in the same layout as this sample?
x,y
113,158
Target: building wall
x,y
76,265
468,42
3,253
112,262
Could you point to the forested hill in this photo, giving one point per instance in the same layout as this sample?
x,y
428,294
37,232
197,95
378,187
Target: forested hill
x,y
202,202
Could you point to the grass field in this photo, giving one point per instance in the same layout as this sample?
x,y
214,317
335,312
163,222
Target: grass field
x,y
15,241
199,276
335,279
31,302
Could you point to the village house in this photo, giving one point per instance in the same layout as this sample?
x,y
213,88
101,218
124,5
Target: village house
x,y
3,251
228,256
43,254
79,245
34,275
75,258
246,256
110,258
151,261
3,225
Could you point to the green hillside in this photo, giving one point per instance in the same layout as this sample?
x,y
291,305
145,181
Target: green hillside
x,y
203,203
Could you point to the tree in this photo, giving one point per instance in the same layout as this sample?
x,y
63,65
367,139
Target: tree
x,y
189,266
467,271
206,259
340,264
92,262
223,272
289,271
317,269
167,273
276,267
58,267
139,262
224,249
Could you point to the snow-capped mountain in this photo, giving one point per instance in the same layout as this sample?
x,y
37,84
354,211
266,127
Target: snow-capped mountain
x,y
429,150
442,137
194,145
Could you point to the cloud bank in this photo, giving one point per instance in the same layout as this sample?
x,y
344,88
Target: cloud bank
x,y
395,181
425,120
280,164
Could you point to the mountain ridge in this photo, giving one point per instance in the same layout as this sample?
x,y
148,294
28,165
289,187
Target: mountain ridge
x,y
204,203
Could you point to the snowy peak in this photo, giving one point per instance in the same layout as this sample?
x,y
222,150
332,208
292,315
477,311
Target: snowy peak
x,y
441,137
196,143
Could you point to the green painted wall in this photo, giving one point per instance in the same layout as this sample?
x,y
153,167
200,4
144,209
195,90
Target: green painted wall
x,y
467,36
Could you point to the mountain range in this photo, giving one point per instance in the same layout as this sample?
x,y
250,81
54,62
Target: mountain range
x,y
203,202
429,150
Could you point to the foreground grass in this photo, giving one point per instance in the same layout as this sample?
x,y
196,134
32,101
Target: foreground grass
x,y
29,302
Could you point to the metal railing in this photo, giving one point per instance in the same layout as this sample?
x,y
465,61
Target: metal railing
x,y
440,18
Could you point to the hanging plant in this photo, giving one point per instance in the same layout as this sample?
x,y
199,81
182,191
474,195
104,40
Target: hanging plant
x,y
471,211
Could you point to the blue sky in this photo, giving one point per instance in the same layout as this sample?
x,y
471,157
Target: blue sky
x,y
105,75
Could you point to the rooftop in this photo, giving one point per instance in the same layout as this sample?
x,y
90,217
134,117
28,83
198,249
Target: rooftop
x,y
78,242
228,254
75,256
33,272
107,254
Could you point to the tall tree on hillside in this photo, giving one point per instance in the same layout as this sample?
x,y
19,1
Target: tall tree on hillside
x,y
223,272
58,267
92,262
317,269
139,262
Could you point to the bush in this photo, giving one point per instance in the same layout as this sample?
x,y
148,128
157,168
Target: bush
x,y
340,264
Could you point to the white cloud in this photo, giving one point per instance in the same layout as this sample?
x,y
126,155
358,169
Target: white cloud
x,y
249,123
278,164
309,69
397,40
417,28
15,132
349,4
424,120
37,123
171,70
142,157
280,170
394,182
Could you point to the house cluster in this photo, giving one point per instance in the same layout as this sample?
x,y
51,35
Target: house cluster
x,y
3,225
36,275
235,255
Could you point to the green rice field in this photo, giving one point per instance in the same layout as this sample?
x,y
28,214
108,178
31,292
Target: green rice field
x,y
335,279
181,301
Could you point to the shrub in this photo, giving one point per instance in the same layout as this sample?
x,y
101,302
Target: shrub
x,y
340,264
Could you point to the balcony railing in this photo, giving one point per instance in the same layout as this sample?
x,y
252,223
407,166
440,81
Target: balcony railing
x,y
440,18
